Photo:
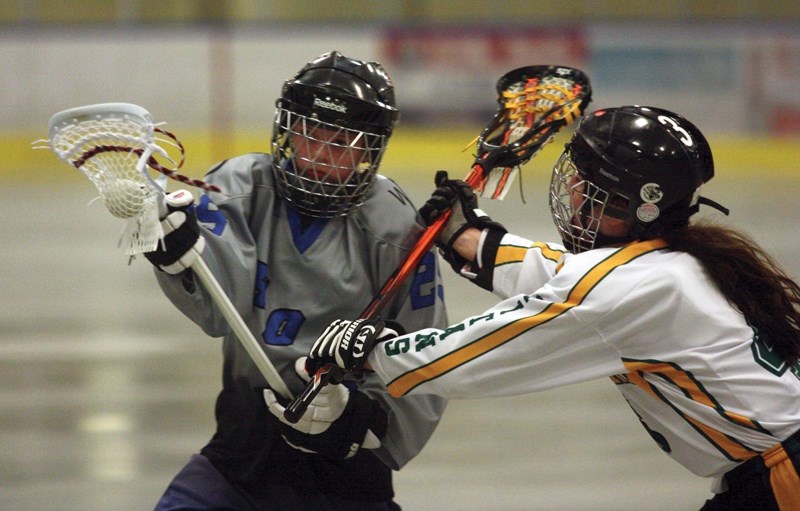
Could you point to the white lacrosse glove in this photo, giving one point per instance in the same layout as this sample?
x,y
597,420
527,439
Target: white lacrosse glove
x,y
182,243
336,424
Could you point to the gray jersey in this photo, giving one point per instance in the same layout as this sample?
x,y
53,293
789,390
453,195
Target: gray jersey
x,y
290,277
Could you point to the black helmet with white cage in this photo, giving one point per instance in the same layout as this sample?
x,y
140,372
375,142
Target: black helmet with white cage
x,y
332,124
643,165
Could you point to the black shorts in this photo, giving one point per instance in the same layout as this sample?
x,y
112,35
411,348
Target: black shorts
x,y
769,482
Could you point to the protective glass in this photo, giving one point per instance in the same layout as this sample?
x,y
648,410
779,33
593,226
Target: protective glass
x,y
577,205
323,169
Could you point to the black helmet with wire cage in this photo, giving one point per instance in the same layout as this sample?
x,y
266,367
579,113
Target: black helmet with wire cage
x,y
332,124
643,165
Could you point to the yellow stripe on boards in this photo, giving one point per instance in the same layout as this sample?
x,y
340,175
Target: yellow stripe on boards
x,y
412,152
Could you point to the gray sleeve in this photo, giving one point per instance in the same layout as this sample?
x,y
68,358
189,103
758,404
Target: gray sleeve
x,y
230,253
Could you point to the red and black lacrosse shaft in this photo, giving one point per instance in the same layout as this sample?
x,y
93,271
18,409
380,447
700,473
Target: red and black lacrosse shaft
x,y
423,245
295,410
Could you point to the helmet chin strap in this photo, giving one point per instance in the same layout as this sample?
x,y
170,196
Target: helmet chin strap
x,y
716,205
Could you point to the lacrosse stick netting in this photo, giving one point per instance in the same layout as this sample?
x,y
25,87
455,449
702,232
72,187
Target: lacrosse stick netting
x,y
535,102
114,144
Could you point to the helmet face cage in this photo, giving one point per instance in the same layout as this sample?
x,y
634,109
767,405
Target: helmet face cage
x,y
323,169
577,205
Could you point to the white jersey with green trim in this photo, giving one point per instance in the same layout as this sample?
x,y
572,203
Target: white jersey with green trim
x,y
703,383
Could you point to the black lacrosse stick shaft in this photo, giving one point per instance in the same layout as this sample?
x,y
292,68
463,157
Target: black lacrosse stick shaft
x,y
294,411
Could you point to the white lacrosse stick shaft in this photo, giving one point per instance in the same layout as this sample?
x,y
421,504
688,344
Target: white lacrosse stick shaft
x,y
237,324
231,315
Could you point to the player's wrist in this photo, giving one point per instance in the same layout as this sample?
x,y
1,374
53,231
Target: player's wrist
x,y
466,244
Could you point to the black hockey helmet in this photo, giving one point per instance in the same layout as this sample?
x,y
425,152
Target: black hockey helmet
x,y
343,91
352,102
643,165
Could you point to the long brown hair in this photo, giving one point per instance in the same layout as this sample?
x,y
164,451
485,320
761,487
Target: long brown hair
x,y
750,279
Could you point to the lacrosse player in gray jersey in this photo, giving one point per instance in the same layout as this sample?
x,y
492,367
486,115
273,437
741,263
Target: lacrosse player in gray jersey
x,y
296,240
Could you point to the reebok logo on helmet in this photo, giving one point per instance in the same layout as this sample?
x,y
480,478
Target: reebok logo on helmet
x,y
609,175
330,105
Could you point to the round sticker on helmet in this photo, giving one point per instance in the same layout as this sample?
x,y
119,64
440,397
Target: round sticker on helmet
x,y
647,212
651,193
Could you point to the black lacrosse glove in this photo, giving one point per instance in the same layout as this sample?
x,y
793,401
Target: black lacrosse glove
x,y
347,344
182,243
456,195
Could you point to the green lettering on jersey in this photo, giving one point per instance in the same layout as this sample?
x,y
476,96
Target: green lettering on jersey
x,y
451,330
396,346
517,307
485,317
424,340
769,359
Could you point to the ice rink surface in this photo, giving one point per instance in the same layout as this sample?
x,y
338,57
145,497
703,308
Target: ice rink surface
x,y
106,390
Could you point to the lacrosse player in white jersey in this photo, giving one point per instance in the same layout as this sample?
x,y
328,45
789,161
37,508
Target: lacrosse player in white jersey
x,y
697,327
297,239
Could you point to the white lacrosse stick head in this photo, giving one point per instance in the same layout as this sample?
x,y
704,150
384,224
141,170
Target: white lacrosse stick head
x,y
111,143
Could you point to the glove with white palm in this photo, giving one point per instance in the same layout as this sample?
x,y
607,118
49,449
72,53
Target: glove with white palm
x,y
337,423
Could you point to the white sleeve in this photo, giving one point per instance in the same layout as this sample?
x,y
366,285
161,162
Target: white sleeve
x,y
556,335
521,265
522,345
